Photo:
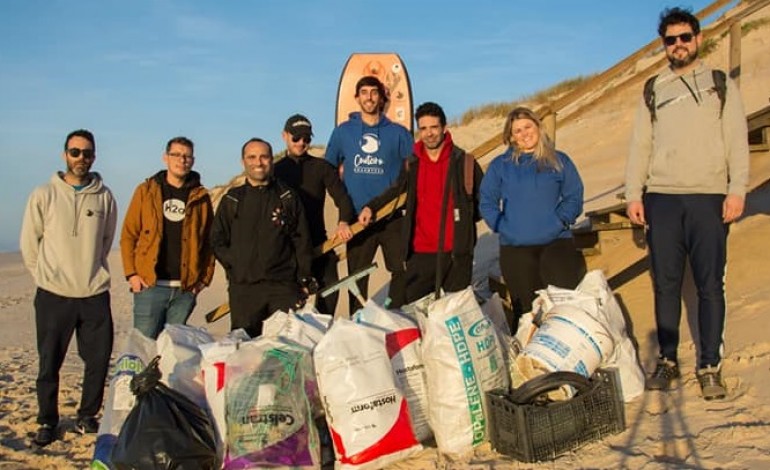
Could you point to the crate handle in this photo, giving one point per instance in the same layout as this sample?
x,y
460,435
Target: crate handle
x,y
534,388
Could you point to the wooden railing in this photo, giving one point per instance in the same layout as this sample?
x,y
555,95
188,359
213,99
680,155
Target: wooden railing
x,y
616,71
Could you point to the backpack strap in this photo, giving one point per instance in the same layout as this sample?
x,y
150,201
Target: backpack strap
x,y
468,173
720,85
442,234
649,96
230,202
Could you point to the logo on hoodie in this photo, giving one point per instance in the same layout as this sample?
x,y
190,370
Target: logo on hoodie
x,y
368,162
173,210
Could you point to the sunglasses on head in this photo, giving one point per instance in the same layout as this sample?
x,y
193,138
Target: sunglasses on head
x,y
684,37
75,152
297,138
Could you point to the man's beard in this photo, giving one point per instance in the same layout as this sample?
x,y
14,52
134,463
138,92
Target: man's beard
x,y
681,63
259,176
371,108
78,169
436,145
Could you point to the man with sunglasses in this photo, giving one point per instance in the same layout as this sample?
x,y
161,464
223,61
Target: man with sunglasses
x,y
370,150
686,181
167,256
312,178
66,235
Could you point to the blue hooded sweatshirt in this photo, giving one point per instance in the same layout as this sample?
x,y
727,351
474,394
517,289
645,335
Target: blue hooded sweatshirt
x,y
530,206
371,156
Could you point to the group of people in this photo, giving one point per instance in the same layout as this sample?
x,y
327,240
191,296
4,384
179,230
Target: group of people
x,y
686,180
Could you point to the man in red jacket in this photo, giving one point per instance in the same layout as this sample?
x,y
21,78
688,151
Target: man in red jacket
x,y
441,183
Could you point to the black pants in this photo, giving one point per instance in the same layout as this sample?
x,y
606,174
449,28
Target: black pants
x,y
361,250
527,269
324,269
251,304
688,227
421,268
56,319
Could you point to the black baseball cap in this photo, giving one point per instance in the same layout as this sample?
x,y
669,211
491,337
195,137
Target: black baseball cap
x,y
298,125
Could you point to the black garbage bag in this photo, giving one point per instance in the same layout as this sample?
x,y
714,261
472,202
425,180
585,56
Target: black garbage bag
x,y
165,430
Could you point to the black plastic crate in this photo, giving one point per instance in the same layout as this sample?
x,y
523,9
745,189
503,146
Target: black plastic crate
x,y
532,433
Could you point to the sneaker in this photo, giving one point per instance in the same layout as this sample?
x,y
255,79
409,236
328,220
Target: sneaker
x,y
45,435
87,425
711,385
665,372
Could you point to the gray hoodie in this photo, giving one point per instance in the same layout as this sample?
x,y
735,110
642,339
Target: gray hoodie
x,y
66,236
689,149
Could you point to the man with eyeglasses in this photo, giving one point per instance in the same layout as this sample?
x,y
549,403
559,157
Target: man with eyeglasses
x,y
66,235
164,244
313,178
686,181
371,150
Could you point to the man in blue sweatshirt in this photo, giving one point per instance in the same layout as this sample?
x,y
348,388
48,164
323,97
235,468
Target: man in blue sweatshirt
x,y
369,150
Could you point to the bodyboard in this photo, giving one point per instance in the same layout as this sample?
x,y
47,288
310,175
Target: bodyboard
x,y
391,71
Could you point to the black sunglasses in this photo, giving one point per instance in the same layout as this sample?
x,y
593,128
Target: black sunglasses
x,y
297,138
671,40
75,152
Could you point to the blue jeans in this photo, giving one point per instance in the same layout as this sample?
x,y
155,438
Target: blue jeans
x,y
156,306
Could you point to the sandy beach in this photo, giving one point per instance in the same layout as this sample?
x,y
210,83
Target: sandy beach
x,y
677,429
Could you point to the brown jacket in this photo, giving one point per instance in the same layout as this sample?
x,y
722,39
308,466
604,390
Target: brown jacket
x,y
143,229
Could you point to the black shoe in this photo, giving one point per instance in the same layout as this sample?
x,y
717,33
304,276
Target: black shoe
x,y
711,385
46,434
87,425
665,372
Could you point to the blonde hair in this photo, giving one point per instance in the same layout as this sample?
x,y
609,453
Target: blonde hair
x,y
545,151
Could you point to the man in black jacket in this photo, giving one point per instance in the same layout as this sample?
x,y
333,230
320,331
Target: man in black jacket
x,y
312,178
441,183
261,238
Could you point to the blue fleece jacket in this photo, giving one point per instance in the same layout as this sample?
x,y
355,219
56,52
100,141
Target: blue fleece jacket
x,y
371,156
527,206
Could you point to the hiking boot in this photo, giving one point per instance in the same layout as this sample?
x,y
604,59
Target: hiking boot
x,y
86,425
665,372
711,385
45,435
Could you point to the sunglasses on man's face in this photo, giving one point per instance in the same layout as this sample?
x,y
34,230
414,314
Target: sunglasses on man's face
x,y
686,38
297,138
75,152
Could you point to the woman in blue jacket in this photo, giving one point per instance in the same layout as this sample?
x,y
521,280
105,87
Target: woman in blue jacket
x,y
530,195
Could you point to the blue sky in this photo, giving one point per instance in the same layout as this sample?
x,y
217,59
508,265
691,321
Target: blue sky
x,y
139,72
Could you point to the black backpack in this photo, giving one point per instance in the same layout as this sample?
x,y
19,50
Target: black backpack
x,y
720,86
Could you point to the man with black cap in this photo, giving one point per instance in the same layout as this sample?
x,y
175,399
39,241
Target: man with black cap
x,y
370,150
312,178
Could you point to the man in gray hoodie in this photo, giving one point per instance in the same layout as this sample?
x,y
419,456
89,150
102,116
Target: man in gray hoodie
x,y
66,235
686,181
